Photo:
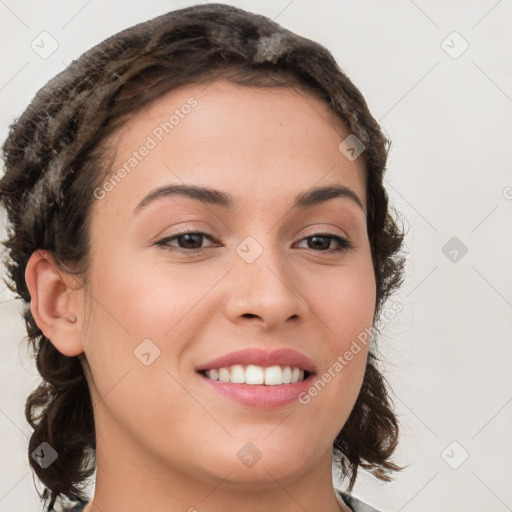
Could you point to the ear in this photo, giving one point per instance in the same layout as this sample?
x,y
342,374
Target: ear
x,y
54,303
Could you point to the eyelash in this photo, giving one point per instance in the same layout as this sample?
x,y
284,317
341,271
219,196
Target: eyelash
x,y
345,245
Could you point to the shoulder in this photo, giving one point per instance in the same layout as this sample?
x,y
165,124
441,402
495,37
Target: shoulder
x,y
355,504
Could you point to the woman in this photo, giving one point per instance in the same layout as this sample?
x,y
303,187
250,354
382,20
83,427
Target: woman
x,y
199,229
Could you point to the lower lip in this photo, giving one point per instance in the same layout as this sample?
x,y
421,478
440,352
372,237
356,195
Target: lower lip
x,y
258,395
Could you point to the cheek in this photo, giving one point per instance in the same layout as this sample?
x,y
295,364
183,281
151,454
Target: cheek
x,y
140,308
140,298
345,302
346,308
132,336
351,317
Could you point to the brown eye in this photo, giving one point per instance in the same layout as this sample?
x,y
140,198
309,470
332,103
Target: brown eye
x,y
321,242
188,241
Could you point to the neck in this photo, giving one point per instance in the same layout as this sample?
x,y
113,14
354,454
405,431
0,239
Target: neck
x,y
130,478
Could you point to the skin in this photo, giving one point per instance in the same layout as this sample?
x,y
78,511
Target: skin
x,y
165,441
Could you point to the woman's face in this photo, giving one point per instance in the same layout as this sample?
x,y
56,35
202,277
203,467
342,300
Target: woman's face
x,y
160,306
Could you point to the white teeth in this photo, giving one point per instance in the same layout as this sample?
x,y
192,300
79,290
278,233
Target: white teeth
x,y
237,374
287,375
273,376
224,375
252,374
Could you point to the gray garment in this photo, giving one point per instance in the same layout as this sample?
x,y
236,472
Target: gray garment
x,y
355,504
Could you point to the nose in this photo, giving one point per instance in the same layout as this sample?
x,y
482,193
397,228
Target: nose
x,y
265,291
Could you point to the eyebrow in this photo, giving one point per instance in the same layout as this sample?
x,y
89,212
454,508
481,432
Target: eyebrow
x,y
306,199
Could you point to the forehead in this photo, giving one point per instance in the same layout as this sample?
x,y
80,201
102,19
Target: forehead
x,y
246,140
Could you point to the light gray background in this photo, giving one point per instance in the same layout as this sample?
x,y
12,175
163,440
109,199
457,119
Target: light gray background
x,y
449,116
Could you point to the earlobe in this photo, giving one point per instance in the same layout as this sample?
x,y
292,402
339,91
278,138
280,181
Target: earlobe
x,y
52,304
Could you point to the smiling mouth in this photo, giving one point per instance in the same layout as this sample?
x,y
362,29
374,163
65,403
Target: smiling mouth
x,y
252,374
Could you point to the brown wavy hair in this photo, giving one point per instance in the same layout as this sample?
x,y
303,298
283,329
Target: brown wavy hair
x,y
56,155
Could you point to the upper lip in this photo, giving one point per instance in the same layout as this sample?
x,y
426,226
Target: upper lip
x,y
260,357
